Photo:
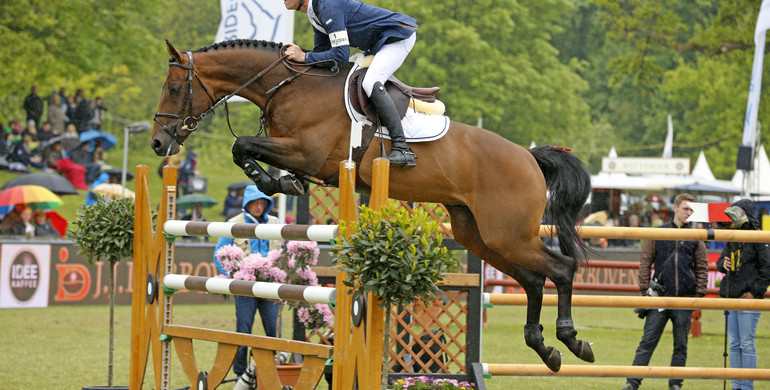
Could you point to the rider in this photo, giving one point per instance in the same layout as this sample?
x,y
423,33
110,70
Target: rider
x,y
390,36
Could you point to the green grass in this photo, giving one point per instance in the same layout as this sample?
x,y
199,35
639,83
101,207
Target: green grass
x,y
66,347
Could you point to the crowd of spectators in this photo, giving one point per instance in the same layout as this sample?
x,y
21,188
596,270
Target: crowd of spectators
x,y
48,140
51,142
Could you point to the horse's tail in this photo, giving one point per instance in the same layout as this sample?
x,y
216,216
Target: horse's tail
x,y
569,184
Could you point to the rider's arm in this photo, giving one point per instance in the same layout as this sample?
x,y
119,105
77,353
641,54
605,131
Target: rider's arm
x,y
332,46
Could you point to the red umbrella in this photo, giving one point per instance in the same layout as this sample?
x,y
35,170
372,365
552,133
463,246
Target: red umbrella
x,y
58,222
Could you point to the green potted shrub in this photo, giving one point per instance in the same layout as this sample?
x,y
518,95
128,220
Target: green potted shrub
x,y
393,254
105,231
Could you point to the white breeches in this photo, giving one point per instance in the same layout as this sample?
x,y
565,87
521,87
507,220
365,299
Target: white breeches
x,y
387,61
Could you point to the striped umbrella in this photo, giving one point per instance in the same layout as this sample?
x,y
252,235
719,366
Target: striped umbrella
x,y
36,197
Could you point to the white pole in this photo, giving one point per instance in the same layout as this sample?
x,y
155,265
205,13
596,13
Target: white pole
x,y
282,203
125,162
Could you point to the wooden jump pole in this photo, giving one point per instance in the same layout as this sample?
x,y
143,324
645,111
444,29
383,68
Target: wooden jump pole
x,y
647,233
689,303
627,371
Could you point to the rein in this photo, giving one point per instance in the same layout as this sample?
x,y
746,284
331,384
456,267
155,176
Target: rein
x,y
190,122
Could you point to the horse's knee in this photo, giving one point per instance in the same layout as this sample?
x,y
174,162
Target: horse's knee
x,y
241,148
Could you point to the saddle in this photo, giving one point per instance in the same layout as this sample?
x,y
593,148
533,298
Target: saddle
x,y
402,95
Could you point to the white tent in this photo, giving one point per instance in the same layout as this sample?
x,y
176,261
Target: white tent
x,y
702,169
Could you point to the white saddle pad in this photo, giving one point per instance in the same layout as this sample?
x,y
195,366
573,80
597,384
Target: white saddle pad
x,y
418,127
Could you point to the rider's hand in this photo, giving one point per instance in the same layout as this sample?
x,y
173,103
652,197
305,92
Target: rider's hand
x,y
294,53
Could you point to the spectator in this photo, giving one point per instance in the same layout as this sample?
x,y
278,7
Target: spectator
x,y
23,225
43,226
22,152
52,153
71,138
100,114
83,114
70,110
747,274
232,202
633,221
63,98
56,115
31,130
256,207
45,133
33,105
11,219
680,270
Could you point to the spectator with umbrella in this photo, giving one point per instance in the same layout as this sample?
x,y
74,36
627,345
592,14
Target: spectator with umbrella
x,y
42,225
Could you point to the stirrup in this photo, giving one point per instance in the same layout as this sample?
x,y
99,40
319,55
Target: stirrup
x,y
402,158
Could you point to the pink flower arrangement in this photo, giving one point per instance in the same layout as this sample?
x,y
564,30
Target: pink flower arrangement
x,y
290,265
253,267
426,383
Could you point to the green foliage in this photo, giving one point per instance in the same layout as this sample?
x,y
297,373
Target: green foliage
x,y
393,254
104,230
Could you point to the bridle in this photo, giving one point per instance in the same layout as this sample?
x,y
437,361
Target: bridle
x,y
190,121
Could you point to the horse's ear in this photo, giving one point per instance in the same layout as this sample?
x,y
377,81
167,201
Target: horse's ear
x,y
172,51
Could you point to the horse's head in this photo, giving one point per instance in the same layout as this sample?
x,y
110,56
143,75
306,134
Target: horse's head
x,y
183,99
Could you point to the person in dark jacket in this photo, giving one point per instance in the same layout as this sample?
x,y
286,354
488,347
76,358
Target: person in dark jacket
x,y
680,270
33,105
256,206
389,36
746,266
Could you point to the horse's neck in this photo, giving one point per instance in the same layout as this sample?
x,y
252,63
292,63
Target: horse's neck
x,y
233,68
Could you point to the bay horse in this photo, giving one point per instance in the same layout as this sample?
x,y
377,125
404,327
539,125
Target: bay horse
x,y
495,191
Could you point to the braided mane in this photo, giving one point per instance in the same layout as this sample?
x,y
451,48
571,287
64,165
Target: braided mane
x,y
240,43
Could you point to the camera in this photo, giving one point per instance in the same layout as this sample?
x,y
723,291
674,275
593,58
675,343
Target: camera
x,y
656,289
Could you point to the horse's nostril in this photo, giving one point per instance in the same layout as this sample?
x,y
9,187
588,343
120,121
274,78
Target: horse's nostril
x,y
156,144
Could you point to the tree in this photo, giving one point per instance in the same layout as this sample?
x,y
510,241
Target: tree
x,y
695,59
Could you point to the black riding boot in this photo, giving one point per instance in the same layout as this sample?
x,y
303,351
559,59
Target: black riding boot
x,y
400,153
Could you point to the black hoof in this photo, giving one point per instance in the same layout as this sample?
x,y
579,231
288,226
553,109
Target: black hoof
x,y
291,185
584,351
553,360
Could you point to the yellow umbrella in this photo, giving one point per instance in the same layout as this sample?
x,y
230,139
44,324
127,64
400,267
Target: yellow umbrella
x,y
113,191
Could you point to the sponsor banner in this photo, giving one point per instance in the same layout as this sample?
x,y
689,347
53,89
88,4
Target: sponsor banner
x,y
24,275
267,20
645,165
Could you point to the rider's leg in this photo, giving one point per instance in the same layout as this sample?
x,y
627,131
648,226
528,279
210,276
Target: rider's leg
x,y
387,60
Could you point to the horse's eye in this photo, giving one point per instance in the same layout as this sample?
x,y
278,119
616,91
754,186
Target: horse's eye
x,y
174,89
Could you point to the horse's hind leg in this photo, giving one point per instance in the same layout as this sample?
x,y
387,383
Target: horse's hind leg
x,y
466,233
565,330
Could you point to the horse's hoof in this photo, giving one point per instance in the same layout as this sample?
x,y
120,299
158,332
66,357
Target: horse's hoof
x,y
585,352
553,361
290,185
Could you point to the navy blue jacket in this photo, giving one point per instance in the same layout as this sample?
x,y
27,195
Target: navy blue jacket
x,y
751,261
680,266
339,24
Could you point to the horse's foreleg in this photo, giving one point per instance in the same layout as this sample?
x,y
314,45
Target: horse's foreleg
x,y
565,330
289,185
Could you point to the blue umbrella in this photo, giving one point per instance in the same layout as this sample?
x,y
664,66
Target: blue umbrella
x,y
92,136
